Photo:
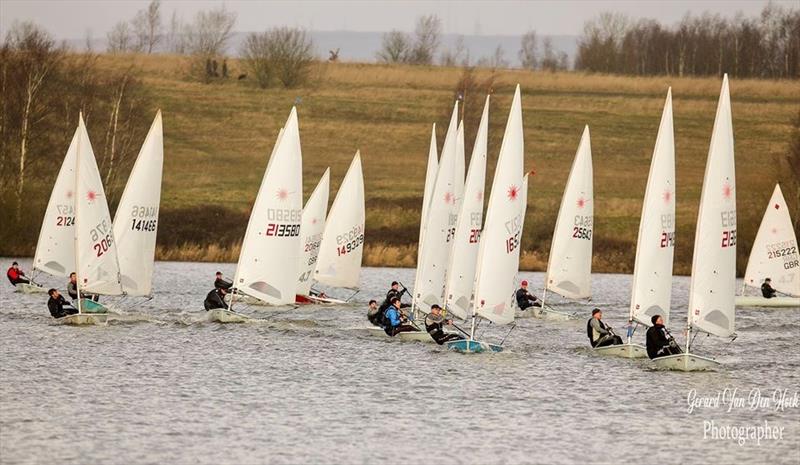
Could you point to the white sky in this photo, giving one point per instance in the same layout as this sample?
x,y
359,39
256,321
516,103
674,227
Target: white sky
x,y
67,19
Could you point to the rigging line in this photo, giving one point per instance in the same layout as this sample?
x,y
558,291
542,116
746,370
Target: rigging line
x,y
509,332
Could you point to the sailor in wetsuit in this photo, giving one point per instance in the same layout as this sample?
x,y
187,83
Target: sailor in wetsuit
x,y
659,341
58,305
434,323
525,299
599,333
767,290
215,299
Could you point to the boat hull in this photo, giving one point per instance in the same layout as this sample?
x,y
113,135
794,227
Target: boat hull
x,y
466,346
245,299
90,306
775,302
84,319
30,289
221,315
685,362
622,350
410,336
317,300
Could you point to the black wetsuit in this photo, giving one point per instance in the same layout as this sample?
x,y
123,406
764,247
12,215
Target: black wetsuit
x,y
658,343
526,300
604,335
768,291
59,307
72,290
220,283
434,325
214,299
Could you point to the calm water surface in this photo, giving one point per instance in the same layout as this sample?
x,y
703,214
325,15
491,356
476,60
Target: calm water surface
x,y
161,384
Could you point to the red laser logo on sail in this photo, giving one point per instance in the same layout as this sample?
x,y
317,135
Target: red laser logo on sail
x,y
667,196
581,202
91,196
448,197
283,194
513,193
727,191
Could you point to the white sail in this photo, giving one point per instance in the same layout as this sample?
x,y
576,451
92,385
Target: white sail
x,y
774,254
136,219
267,268
713,284
569,267
460,168
96,262
652,272
430,180
311,228
498,255
55,251
464,258
342,247
439,227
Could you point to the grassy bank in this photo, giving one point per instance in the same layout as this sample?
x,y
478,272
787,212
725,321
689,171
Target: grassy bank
x,y
218,137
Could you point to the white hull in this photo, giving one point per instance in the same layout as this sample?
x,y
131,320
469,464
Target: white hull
x,y
775,302
30,289
317,300
221,315
622,350
84,319
550,314
416,336
685,362
246,300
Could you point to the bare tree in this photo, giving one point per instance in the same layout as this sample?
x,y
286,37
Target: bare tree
x,y
395,47
120,39
209,34
427,36
285,54
552,59
175,40
528,51
147,27
496,61
456,56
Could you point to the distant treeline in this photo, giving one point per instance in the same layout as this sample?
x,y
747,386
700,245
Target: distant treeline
x,y
767,46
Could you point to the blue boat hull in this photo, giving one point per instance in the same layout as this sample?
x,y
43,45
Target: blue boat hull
x,y
473,347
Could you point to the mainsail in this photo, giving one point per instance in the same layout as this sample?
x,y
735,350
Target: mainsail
x,y
498,255
342,246
774,254
311,228
267,268
464,258
713,284
569,267
652,273
430,180
136,219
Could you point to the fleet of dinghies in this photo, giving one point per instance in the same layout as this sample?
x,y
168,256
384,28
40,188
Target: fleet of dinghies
x,y
467,261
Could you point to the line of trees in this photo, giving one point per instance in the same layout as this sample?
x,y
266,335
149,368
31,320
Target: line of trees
x,y
42,89
767,46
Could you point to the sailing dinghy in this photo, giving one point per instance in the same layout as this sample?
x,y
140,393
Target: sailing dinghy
x,y
311,228
569,266
342,246
136,219
499,246
270,253
774,255
712,308
96,263
652,273
55,250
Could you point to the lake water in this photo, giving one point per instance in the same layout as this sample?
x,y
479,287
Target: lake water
x,y
161,384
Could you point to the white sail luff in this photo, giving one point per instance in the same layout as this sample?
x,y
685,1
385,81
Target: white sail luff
x,y
460,168
774,253
342,247
652,274
97,266
713,283
439,226
569,266
311,228
430,180
464,257
498,255
136,219
267,268
55,250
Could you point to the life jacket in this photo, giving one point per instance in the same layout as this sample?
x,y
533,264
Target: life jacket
x,y
13,275
590,331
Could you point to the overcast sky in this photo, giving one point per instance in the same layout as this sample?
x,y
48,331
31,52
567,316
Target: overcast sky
x,y
67,19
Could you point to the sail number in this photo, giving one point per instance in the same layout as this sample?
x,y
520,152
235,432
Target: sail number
x,y
283,230
143,225
781,252
66,215
729,238
582,233
512,243
65,221
350,246
102,238
474,236
451,232
667,239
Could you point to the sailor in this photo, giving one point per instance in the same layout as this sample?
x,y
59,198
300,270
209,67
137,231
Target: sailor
x,y
16,275
216,299
222,283
58,305
434,322
525,299
395,321
659,341
767,290
394,291
374,313
599,333
72,289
